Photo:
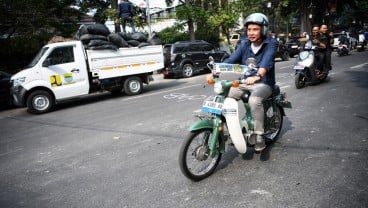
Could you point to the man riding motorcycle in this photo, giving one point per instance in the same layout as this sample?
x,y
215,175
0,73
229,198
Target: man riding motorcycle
x,y
328,39
261,84
320,42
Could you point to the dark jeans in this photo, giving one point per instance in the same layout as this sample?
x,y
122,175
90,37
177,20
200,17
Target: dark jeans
x,y
124,20
320,56
328,60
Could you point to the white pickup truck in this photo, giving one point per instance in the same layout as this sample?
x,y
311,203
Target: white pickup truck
x,y
65,70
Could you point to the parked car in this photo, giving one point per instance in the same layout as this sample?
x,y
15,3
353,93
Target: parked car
x,y
294,46
187,58
5,85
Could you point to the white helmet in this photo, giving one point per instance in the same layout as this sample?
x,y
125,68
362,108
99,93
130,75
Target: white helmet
x,y
259,19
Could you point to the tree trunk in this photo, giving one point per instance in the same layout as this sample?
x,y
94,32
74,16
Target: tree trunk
x,y
114,5
190,24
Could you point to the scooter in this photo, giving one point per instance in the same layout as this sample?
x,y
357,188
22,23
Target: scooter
x,y
305,67
343,50
219,125
360,46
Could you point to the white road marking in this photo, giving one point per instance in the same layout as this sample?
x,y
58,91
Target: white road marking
x,y
157,93
358,66
286,67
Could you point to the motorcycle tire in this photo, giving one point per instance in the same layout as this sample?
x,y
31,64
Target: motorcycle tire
x,y
274,123
299,81
194,157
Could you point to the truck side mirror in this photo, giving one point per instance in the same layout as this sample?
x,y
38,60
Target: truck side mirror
x,y
47,62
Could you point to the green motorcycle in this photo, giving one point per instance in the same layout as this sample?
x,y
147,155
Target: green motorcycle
x,y
211,136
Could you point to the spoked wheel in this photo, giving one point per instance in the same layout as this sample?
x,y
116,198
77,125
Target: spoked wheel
x,y
299,81
194,157
188,70
274,123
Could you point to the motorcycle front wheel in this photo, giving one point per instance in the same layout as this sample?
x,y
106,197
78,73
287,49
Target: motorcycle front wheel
x,y
299,81
194,158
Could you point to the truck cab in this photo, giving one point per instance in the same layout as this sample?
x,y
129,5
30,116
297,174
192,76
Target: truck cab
x,y
59,71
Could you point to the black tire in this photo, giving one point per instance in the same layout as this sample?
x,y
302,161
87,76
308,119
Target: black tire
x,y
195,150
187,70
299,81
40,101
285,56
274,123
133,86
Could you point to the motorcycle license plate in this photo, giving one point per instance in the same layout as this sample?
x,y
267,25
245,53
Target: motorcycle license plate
x,y
298,67
210,106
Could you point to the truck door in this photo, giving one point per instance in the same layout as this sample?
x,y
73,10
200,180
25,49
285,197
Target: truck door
x,y
63,71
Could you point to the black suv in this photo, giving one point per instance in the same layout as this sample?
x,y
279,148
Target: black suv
x,y
186,58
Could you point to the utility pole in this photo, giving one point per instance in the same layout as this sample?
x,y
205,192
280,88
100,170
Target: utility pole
x,y
148,18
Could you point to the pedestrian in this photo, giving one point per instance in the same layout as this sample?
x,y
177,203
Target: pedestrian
x,y
125,12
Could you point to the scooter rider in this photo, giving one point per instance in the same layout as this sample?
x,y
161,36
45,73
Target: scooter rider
x,y
320,42
263,50
328,39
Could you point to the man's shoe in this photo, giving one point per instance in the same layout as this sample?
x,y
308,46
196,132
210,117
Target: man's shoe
x,y
260,143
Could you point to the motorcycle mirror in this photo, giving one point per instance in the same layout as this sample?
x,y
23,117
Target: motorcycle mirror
x,y
211,59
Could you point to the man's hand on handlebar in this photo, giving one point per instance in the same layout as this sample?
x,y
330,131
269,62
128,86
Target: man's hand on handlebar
x,y
250,80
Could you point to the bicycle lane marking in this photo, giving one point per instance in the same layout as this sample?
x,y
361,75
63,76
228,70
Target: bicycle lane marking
x,y
157,93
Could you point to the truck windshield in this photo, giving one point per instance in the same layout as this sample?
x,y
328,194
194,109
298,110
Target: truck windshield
x,y
37,57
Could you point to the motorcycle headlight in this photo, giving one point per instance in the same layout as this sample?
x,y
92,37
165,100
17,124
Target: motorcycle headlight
x,y
18,81
303,55
217,88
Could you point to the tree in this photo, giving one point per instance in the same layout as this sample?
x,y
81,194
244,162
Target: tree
x,y
26,25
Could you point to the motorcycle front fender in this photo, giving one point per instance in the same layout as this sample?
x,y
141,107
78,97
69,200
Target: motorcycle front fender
x,y
210,124
300,71
202,124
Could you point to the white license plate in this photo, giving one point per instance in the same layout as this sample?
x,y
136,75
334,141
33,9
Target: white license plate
x,y
210,106
298,67
294,46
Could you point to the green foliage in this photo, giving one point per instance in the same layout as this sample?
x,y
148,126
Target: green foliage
x,y
25,26
173,34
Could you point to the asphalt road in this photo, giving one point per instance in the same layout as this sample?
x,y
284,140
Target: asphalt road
x,y
121,151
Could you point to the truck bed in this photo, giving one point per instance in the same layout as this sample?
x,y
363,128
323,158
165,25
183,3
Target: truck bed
x,y
125,61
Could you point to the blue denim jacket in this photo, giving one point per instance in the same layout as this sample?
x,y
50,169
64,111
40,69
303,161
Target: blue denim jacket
x,y
265,58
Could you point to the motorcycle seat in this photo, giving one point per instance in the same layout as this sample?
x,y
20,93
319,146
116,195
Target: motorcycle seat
x,y
276,90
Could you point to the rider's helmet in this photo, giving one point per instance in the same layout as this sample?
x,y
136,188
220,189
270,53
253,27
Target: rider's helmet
x,y
259,19
343,32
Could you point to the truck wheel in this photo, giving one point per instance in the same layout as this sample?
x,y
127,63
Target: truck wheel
x,y
133,86
187,70
40,101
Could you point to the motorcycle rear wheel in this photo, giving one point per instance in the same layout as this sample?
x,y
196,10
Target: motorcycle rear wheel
x,y
194,158
274,120
299,81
